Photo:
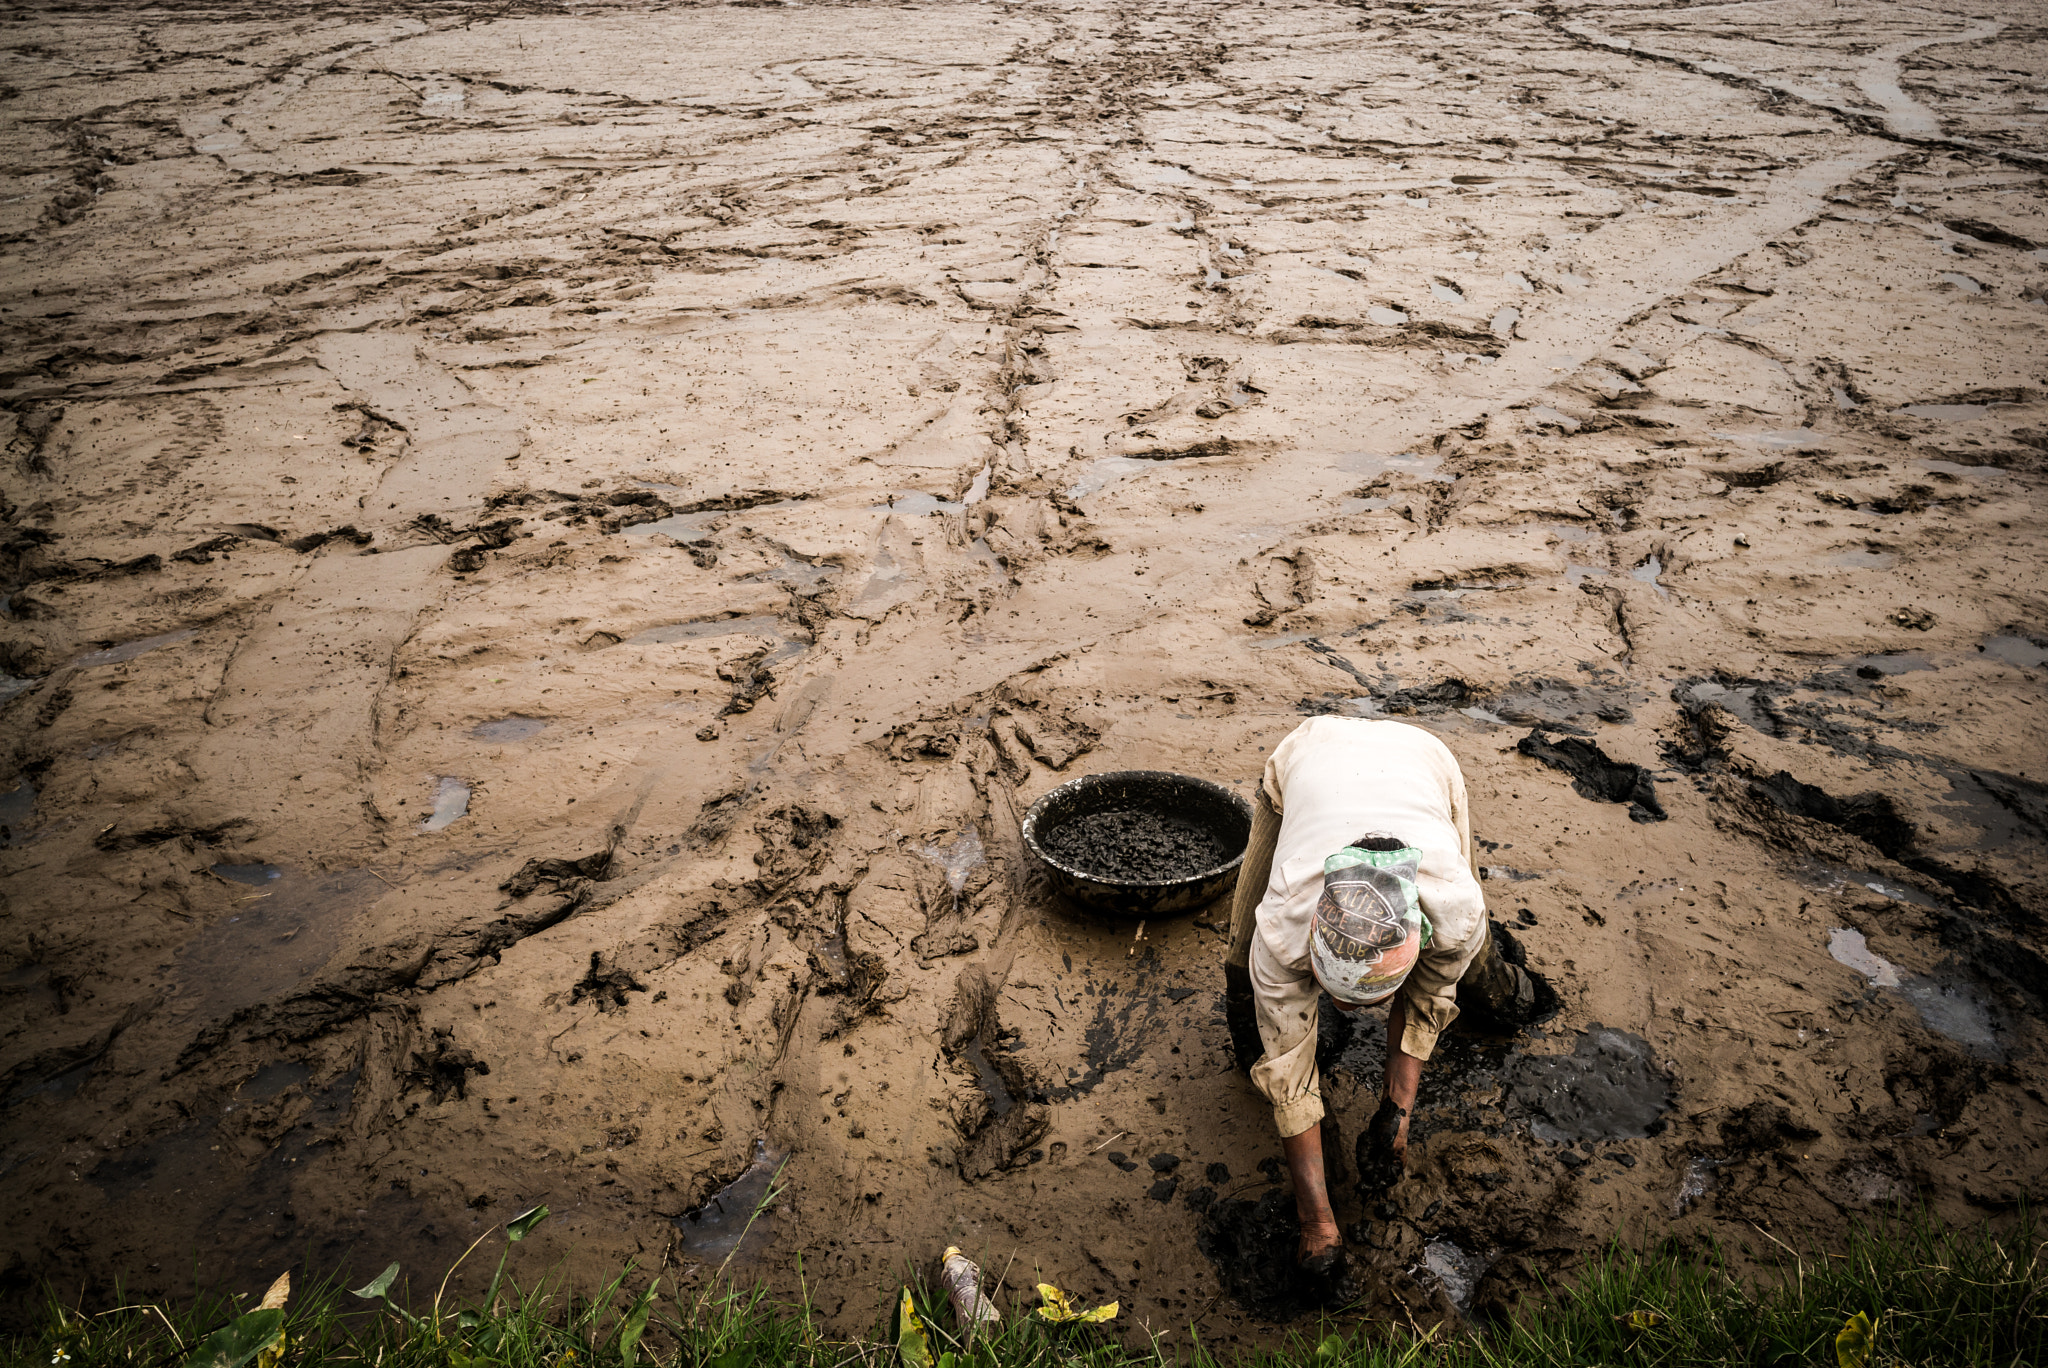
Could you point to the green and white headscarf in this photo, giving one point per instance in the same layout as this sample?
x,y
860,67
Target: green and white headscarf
x,y
1369,927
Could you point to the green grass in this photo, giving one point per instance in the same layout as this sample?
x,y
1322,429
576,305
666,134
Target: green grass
x,y
1938,1295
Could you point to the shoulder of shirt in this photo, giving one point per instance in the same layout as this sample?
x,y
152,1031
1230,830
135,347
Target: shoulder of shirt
x,y
1421,737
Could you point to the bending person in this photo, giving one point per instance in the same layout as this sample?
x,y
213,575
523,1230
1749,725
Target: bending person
x,y
1359,880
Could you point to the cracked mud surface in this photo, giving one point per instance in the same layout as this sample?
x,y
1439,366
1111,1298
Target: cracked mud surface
x,y
549,546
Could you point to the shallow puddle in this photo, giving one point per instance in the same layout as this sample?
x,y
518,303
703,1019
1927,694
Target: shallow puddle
x,y
1647,572
1372,463
958,858
1504,321
17,810
1697,1183
270,940
451,803
1945,1008
129,650
999,1099
1878,666
1967,284
1458,1270
504,729
1105,471
1786,439
1449,294
1974,472
272,1079
714,1231
1835,880
682,527
2016,650
442,97
796,572
757,625
1385,317
255,875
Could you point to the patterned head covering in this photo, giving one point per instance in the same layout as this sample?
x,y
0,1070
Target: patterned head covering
x,y
1368,928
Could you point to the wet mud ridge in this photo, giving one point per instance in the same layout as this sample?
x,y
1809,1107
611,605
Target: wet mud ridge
x,y
544,554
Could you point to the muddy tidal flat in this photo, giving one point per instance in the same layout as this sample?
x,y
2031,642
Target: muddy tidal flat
x,y
549,546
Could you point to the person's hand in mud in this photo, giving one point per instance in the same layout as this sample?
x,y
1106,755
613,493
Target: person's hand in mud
x,y
1383,1146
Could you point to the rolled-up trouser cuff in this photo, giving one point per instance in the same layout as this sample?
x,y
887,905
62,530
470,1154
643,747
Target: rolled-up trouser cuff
x,y
1290,1082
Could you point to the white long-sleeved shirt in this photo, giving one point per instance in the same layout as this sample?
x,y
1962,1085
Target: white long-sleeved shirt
x,y
1333,780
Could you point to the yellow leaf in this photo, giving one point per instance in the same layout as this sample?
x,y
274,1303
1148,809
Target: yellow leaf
x,y
1059,1308
1644,1320
1855,1342
279,1291
913,1348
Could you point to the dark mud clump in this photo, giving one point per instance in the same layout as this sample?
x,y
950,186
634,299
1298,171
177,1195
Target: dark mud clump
x,y
1131,844
1252,1245
1870,817
1609,1088
1597,777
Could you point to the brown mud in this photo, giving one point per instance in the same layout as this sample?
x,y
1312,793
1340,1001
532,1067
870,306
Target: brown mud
x,y
548,547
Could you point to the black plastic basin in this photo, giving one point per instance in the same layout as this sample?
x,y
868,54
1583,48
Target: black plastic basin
x,y
1208,804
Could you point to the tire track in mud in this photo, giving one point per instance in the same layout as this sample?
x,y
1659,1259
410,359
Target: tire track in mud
x,y
1522,373
307,681
211,133
1904,119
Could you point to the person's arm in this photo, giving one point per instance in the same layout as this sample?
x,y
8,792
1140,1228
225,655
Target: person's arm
x,y
1383,1149
1319,1233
